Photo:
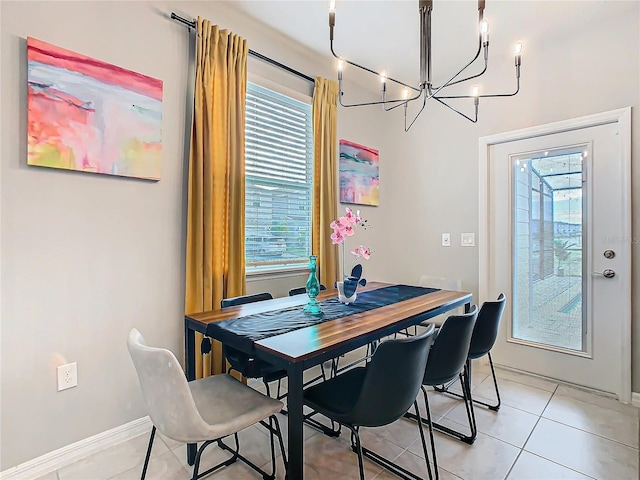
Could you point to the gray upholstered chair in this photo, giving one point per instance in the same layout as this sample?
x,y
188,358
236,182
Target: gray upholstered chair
x,y
205,410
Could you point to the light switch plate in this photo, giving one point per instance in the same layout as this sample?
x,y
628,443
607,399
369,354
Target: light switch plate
x,y
468,239
446,240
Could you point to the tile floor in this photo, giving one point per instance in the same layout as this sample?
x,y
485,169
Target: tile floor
x,y
543,431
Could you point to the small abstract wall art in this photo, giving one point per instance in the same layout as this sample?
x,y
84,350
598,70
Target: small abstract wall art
x,y
87,115
359,174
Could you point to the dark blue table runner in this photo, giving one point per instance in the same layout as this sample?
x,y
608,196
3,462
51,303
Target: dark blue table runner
x,y
242,332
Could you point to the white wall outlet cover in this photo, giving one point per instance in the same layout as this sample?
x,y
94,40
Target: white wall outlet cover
x,y
468,239
67,376
446,240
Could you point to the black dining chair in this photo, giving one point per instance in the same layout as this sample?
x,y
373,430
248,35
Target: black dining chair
x,y
299,290
482,340
377,395
245,364
447,361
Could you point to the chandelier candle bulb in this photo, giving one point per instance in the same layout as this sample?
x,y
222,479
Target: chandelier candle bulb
x,y
484,28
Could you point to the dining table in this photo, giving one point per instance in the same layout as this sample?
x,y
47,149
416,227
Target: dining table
x,y
281,333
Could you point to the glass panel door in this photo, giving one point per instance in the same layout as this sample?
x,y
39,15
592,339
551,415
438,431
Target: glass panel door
x,y
548,205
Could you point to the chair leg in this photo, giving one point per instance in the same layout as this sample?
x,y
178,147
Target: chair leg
x,y
430,425
271,444
357,447
196,464
424,443
146,460
495,408
236,455
469,439
266,385
281,441
355,436
465,381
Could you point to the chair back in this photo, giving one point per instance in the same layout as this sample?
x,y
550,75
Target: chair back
x,y
486,330
299,290
166,391
450,348
392,380
242,299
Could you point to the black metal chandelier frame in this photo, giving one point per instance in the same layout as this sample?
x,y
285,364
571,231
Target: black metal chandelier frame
x,y
426,90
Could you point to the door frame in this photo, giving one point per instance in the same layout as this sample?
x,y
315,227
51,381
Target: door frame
x,y
485,278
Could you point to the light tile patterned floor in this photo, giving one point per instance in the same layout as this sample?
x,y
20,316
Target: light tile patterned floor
x,y
544,431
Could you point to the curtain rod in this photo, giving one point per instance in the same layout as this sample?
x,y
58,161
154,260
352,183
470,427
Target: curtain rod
x,y
192,24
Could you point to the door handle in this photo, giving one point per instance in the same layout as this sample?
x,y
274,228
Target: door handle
x,y
608,273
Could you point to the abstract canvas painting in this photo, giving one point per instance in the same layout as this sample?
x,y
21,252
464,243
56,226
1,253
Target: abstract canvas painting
x,y
88,115
359,174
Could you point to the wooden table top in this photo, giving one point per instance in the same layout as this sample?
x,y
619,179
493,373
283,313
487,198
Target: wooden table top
x,y
304,342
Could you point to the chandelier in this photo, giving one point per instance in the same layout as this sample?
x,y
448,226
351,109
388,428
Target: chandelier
x,y
425,89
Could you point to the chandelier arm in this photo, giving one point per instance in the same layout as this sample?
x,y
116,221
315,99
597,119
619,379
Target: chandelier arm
x,y
364,104
472,120
401,102
398,102
480,45
366,69
424,103
488,95
470,77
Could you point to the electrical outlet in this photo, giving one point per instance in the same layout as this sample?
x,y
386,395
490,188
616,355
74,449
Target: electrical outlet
x,y
468,239
67,376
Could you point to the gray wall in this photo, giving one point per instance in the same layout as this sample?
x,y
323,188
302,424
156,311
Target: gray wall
x,y
87,257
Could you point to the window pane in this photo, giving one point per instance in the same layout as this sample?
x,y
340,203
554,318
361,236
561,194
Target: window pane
x,y
279,167
548,250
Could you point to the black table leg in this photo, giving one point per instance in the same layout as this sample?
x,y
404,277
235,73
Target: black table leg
x,y
190,371
467,307
295,420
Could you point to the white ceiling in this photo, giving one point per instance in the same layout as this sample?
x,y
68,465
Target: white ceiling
x,y
383,35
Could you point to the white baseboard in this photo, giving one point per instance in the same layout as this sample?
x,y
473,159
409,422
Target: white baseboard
x,y
635,399
72,453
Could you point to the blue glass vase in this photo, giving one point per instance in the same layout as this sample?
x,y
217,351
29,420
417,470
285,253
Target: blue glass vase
x,y
313,288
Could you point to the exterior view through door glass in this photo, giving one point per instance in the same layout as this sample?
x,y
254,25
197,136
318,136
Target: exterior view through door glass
x,y
548,248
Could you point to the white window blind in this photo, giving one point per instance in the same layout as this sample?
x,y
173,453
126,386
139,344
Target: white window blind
x,y
279,169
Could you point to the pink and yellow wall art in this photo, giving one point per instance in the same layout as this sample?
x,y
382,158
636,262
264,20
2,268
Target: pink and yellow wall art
x,y
88,115
359,174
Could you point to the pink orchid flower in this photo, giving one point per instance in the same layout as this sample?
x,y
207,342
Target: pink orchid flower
x,y
354,219
337,226
365,252
337,237
345,227
355,252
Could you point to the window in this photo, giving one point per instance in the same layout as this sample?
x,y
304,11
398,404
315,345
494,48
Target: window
x,y
279,176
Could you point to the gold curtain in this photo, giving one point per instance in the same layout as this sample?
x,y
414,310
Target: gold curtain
x,y
215,215
325,124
